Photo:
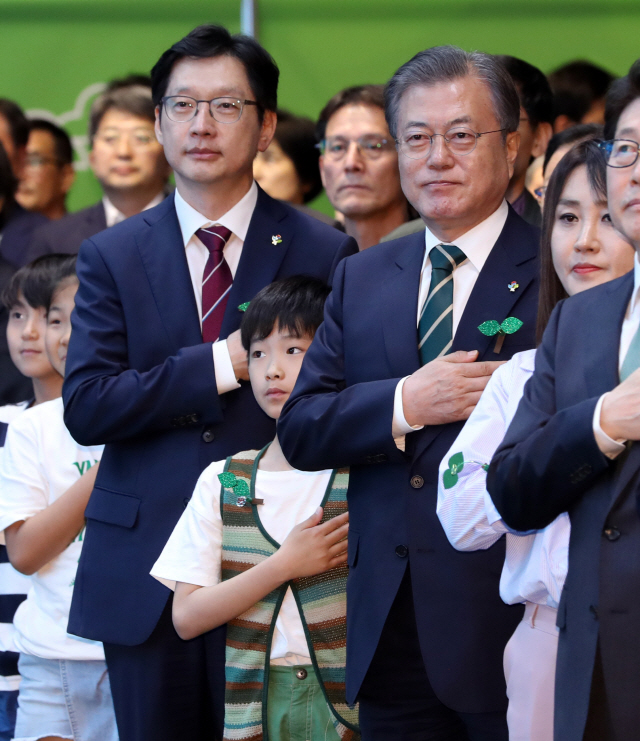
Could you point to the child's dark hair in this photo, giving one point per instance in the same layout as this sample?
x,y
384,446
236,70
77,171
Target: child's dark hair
x,y
38,280
294,304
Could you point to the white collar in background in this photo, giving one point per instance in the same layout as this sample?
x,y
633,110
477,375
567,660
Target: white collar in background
x,y
635,296
113,216
478,242
236,219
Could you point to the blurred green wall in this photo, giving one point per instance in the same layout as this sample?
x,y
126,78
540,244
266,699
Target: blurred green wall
x,y
51,51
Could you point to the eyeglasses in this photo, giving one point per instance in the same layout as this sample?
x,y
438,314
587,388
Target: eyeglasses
x,y
417,145
138,138
39,160
182,108
620,152
369,145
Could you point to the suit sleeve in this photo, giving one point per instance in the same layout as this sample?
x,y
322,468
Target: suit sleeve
x,y
327,424
549,457
106,400
349,246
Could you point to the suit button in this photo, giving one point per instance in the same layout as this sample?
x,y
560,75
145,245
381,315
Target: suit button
x,y
301,674
402,551
611,533
417,482
208,435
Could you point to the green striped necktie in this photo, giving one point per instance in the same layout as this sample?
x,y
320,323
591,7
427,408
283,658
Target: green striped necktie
x,y
435,327
631,360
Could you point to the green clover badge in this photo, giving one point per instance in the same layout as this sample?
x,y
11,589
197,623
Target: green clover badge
x,y
238,486
244,307
456,464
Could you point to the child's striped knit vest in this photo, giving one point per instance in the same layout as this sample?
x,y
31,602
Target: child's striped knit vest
x,y
321,601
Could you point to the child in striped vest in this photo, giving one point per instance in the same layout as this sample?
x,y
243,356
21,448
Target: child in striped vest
x,y
262,547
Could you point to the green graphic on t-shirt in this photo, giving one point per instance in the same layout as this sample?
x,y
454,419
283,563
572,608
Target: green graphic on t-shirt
x,y
84,466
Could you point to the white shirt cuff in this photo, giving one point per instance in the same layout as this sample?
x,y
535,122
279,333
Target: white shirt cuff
x,y
611,448
223,367
400,427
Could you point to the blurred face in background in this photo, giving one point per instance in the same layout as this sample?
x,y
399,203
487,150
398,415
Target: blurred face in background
x,y
359,165
126,154
276,174
45,180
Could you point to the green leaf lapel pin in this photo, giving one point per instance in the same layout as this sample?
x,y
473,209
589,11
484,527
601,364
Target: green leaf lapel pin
x,y
456,464
239,487
490,328
244,307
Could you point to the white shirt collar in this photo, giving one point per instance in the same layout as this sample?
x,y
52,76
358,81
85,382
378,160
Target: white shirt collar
x,y
113,216
478,242
635,296
236,219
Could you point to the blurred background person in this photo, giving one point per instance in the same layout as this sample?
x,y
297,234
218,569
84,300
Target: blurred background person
x,y
359,164
14,134
48,173
536,121
579,90
559,145
128,162
16,227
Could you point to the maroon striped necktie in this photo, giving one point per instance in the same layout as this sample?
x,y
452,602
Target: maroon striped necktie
x,y
216,280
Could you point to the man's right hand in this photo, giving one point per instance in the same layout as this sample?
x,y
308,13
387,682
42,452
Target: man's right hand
x,y
446,389
239,356
620,413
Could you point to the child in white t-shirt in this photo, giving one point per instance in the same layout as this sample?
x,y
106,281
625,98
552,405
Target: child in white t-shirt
x,y
285,605
25,298
45,482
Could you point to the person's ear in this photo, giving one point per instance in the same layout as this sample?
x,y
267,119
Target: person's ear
x,y
512,145
156,125
561,123
68,176
267,130
541,136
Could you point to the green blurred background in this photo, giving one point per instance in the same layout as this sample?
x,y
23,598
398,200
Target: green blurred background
x,y
53,51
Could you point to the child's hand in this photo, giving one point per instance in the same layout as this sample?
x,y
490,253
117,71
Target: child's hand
x,y
311,548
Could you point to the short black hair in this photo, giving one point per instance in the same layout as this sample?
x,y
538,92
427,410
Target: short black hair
x,y
18,122
38,280
533,89
294,304
577,86
135,78
621,93
572,135
8,184
369,95
61,140
215,41
296,137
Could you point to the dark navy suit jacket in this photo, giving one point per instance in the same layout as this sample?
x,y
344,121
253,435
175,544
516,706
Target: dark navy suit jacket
x,y
341,414
548,463
140,379
65,235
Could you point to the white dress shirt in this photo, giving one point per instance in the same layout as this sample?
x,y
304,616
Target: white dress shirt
x,y
113,216
612,448
237,220
536,563
476,244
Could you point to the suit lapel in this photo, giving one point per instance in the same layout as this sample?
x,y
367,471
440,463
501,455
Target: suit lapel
x,y
604,326
399,302
511,259
164,258
261,258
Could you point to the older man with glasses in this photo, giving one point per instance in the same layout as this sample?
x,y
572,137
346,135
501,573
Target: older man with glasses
x,y
386,386
359,164
157,371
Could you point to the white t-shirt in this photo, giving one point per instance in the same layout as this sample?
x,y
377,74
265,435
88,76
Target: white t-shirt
x,y
41,461
193,553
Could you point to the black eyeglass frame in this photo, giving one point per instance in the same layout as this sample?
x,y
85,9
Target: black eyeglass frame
x,y
243,103
607,146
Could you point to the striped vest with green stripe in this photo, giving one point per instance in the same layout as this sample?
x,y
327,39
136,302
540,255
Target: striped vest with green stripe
x,y
321,602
